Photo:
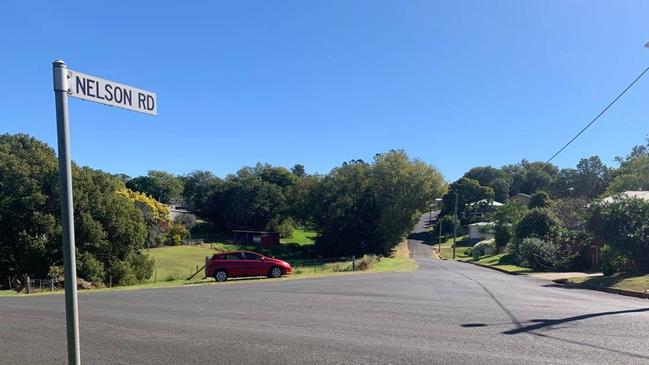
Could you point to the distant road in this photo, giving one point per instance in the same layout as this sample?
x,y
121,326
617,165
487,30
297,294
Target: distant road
x,y
444,313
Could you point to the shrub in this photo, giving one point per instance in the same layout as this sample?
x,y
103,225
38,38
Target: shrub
x,y
537,254
539,200
502,235
545,255
177,233
187,220
90,268
367,261
622,225
122,273
142,266
536,223
286,228
614,261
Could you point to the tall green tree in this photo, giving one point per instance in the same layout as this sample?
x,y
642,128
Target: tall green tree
x,y
198,189
162,186
368,208
468,192
498,180
108,226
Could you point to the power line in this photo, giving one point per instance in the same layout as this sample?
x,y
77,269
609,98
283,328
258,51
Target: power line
x,y
600,114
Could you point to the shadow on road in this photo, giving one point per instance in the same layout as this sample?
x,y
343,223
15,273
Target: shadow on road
x,y
542,323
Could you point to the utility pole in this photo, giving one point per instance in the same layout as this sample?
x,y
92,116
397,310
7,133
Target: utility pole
x,y
454,225
439,242
67,213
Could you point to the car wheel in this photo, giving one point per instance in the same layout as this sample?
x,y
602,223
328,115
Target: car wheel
x,y
221,276
275,272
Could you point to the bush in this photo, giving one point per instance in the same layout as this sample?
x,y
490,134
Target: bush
x,y
537,254
502,235
177,233
614,261
622,226
187,220
286,228
122,273
536,223
508,259
142,266
544,255
447,225
539,200
90,268
367,261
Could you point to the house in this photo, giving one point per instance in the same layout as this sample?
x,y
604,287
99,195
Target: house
x,y
258,238
481,231
639,194
482,207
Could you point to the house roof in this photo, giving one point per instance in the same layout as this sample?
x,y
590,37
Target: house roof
x,y
481,224
484,201
640,194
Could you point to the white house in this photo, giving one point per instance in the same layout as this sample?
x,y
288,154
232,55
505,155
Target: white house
x,y
640,194
481,231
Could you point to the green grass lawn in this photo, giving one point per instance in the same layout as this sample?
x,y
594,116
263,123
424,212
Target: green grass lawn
x,y
460,247
301,237
625,282
173,264
178,262
492,260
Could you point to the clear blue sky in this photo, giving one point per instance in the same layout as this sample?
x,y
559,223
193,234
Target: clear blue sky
x,y
455,83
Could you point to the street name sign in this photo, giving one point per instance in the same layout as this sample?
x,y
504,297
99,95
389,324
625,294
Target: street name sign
x,y
86,87
111,93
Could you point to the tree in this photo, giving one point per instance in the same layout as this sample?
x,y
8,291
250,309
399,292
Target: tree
x,y
253,198
156,215
506,218
622,226
496,179
162,186
368,208
592,177
633,173
529,177
539,223
468,191
108,226
298,170
30,236
540,199
198,189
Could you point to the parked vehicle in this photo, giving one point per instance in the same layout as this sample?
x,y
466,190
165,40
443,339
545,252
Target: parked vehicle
x,y
245,263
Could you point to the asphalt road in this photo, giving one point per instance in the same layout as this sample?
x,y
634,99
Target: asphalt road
x,y
444,313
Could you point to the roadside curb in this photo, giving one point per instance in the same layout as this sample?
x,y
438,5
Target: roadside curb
x,y
493,268
628,293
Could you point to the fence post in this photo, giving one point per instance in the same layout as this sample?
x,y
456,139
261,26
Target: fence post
x,y
353,262
9,283
207,258
110,281
29,285
51,284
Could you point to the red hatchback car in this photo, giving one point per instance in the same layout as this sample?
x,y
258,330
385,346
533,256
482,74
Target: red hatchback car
x,y
245,263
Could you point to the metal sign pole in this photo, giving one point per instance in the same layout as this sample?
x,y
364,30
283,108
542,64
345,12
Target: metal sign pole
x,y
60,73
